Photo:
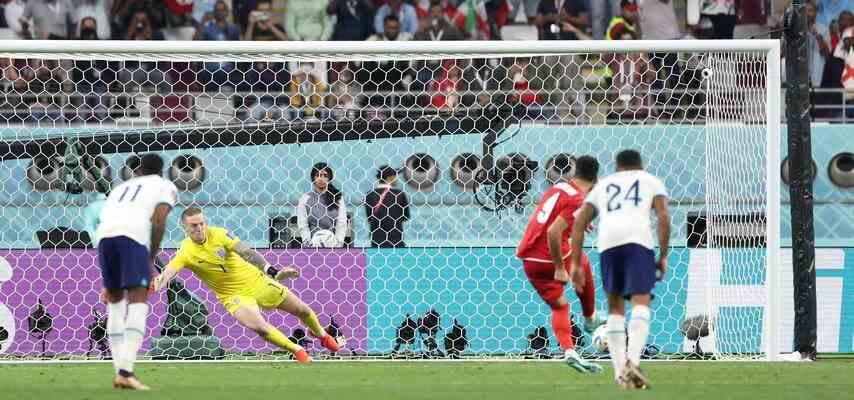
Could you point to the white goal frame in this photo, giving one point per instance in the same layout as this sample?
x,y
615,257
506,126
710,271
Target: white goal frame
x,y
334,51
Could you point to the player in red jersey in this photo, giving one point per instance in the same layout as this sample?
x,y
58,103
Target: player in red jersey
x,y
544,251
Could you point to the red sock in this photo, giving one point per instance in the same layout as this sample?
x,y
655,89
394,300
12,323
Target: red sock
x,y
587,294
562,327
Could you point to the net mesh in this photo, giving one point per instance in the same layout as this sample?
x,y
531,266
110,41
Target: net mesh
x,y
426,269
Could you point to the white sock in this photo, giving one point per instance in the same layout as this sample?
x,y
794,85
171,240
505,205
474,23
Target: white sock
x,y
134,332
616,335
116,313
638,332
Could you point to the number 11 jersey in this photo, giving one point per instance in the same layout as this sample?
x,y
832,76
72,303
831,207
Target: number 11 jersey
x,y
130,205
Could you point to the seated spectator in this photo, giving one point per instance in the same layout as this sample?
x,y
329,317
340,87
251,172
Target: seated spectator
x,y
322,211
438,27
141,28
51,19
123,11
846,19
92,77
623,27
387,209
658,22
179,13
17,74
99,10
550,20
447,88
261,26
386,77
306,91
203,9
12,11
307,20
818,47
828,10
391,31
354,19
218,27
137,73
405,13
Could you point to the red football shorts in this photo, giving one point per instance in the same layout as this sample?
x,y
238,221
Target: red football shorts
x,y
541,275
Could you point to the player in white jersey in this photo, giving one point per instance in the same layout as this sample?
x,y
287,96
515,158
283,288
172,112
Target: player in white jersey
x,y
624,201
132,224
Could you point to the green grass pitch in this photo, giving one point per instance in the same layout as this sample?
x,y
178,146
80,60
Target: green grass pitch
x,y
827,379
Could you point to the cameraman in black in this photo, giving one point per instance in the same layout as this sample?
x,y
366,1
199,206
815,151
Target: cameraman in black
x,y
387,208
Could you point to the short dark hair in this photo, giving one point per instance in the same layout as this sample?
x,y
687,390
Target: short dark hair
x,y
150,164
391,17
189,212
587,168
629,159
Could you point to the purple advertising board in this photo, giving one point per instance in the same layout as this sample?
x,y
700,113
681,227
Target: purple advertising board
x,y
67,283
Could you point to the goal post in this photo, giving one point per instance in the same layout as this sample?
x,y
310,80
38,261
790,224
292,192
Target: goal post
x,y
475,131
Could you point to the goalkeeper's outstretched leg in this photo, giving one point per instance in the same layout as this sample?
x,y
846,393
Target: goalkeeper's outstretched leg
x,y
294,306
249,316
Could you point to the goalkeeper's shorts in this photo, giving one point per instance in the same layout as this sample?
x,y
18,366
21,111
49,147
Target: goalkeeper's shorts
x,y
267,294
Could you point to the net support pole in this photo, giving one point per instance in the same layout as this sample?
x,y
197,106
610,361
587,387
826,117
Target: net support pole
x,y
800,172
772,222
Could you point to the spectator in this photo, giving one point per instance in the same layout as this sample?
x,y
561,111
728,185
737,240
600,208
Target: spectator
x,y
141,73
92,77
203,9
658,22
308,20
99,10
828,10
180,13
438,27
817,45
141,28
354,19
123,12
261,26
52,19
12,11
623,27
447,88
722,15
601,13
322,209
845,20
218,28
406,16
751,19
386,76
531,7
387,209
552,16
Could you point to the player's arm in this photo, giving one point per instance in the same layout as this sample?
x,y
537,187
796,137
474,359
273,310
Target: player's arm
x,y
255,258
553,237
583,218
662,215
166,276
158,227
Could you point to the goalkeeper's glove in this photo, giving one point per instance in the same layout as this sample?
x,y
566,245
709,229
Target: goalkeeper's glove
x,y
280,274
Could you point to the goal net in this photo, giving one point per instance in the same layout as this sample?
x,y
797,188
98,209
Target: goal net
x,y
421,268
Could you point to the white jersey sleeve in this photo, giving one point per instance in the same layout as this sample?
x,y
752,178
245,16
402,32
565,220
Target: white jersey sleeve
x,y
624,202
130,206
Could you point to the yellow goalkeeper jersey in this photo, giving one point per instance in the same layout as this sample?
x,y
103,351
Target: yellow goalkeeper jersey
x,y
217,264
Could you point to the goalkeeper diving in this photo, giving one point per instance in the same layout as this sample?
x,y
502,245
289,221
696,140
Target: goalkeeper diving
x,y
243,282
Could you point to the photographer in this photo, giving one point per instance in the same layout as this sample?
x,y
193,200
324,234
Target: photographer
x,y
261,26
387,208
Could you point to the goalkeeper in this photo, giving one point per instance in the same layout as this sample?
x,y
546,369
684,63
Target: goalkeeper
x,y
242,280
